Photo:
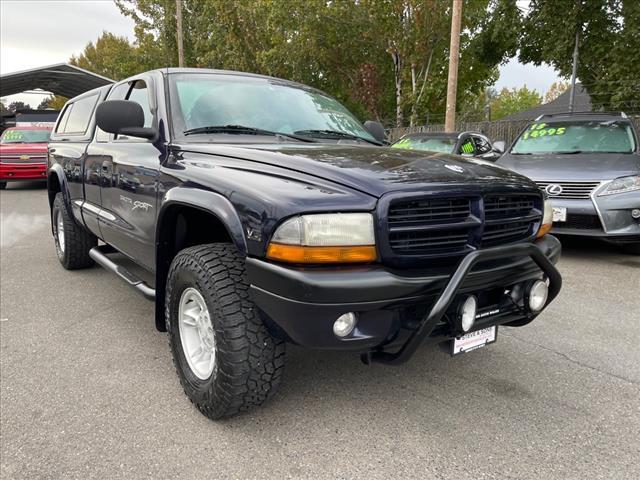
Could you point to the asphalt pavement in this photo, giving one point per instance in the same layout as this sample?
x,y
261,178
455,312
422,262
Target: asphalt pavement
x,y
88,390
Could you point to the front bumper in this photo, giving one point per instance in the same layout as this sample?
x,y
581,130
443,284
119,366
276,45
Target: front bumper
x,y
23,171
606,216
301,304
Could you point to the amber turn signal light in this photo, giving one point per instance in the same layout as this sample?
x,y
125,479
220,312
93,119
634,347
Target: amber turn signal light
x,y
304,254
544,229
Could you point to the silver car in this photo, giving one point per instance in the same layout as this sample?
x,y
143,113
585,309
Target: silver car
x,y
589,165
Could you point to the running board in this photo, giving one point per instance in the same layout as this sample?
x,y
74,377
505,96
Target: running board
x,y
99,256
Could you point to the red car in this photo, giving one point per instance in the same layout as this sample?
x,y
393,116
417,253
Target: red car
x,y
23,154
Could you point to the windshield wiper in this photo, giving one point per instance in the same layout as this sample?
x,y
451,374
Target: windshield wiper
x,y
335,134
243,130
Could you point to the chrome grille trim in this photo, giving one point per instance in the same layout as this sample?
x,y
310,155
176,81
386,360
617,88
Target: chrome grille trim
x,y
571,190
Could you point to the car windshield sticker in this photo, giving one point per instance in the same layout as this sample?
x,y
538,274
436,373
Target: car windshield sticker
x,y
467,147
403,143
538,130
13,135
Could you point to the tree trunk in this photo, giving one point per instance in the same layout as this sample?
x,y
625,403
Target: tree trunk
x,y
416,101
397,70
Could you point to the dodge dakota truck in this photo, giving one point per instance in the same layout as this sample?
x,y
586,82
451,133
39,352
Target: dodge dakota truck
x,y
260,211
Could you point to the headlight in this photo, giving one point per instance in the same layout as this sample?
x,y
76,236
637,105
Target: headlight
x,y
547,219
325,238
622,185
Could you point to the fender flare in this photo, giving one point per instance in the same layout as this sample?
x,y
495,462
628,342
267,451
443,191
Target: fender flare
x,y
209,202
56,169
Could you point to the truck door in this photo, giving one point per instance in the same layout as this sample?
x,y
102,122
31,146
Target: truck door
x,y
67,148
129,169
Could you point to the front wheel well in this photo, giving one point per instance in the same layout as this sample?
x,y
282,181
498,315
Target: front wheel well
x,y
180,227
53,187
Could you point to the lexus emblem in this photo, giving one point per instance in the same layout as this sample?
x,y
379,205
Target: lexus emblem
x,y
454,168
554,189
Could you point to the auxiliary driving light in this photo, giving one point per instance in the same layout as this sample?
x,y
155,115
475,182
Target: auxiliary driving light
x,y
345,324
537,295
467,313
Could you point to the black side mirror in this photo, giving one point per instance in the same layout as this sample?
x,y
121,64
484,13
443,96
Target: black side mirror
x,y
499,146
123,117
376,130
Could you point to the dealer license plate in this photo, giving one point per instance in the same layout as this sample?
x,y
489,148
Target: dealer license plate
x,y
559,214
474,340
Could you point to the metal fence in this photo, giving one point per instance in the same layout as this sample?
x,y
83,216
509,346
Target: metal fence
x,y
498,130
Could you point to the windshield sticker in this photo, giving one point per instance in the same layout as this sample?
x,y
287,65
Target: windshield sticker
x,y
403,143
538,131
467,147
12,135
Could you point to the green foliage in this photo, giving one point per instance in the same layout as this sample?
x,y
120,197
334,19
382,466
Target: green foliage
x,y
609,49
17,105
55,102
384,59
110,56
512,101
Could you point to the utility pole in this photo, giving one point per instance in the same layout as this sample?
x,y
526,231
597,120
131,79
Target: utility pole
x,y
574,68
179,33
454,54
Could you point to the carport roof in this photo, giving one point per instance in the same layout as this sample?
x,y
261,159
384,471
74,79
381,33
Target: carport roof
x,y
60,79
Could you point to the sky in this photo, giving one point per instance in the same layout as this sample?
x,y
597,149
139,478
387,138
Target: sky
x,y
39,33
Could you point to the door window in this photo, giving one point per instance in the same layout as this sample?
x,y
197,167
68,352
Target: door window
x,y
139,93
77,116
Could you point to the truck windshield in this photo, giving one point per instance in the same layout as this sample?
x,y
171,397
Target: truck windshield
x,y
16,135
201,100
612,136
432,144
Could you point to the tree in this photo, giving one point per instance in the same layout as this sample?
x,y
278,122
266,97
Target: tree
x,y
55,102
112,57
555,90
512,101
608,66
15,106
385,59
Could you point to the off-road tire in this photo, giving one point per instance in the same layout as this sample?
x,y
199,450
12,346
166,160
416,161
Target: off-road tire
x,y
249,361
77,241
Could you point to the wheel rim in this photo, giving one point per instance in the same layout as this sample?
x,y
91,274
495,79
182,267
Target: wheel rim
x,y
196,333
60,231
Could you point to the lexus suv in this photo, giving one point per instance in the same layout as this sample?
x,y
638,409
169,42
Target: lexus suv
x,y
589,165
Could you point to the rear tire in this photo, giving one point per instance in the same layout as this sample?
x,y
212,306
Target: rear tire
x,y
72,241
208,309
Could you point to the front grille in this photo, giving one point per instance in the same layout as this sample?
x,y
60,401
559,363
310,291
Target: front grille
x,y
508,218
580,222
451,226
429,225
571,190
15,158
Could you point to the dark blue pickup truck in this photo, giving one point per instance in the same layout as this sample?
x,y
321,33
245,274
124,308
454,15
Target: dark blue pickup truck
x,y
264,212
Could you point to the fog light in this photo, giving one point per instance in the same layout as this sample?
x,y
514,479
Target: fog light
x,y
468,313
345,324
635,213
537,295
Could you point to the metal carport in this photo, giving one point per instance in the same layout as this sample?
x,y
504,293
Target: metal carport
x,y
60,79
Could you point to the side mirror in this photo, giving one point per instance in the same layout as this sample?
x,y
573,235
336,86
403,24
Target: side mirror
x,y
123,117
376,130
499,146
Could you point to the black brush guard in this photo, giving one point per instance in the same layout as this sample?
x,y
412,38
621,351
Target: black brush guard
x,y
450,291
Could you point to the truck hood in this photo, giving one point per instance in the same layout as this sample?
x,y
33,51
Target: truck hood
x,y
576,167
370,169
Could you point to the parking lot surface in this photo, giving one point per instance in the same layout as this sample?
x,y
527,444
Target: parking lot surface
x,y
88,389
